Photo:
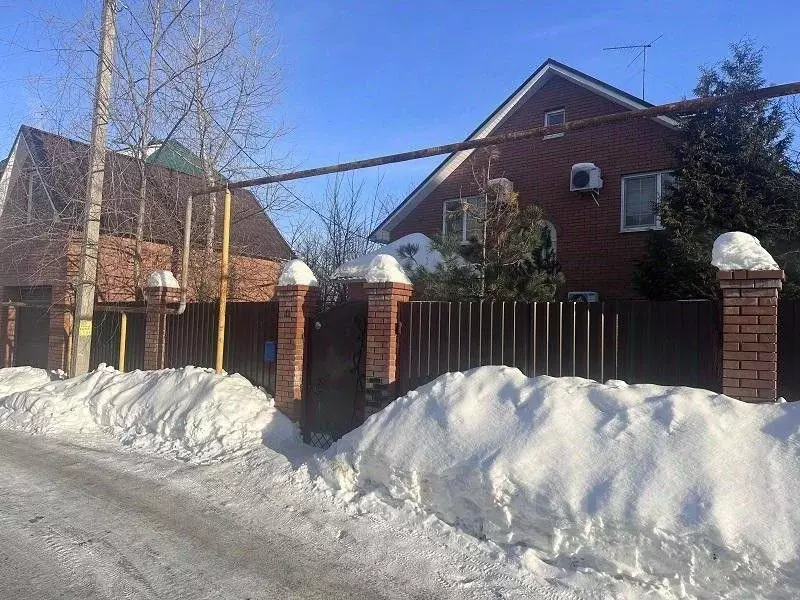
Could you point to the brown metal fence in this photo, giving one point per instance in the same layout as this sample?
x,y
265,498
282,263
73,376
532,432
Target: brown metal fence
x,y
106,338
670,343
251,333
789,349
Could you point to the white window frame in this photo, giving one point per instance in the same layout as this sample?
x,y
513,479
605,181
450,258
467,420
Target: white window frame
x,y
659,193
552,112
468,200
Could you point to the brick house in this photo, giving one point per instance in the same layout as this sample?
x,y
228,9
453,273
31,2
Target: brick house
x,y
42,191
598,237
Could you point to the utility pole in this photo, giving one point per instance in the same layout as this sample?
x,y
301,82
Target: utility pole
x,y
87,269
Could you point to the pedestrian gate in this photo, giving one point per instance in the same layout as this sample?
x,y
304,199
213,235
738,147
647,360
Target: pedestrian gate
x,y
333,402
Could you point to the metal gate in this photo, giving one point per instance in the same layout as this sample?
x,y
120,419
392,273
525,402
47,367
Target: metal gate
x,y
333,402
33,336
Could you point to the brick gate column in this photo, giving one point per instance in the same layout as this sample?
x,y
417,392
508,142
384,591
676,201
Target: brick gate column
x,y
155,330
382,341
298,301
8,328
296,305
750,334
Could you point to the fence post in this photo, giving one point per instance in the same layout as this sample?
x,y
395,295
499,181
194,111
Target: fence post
x,y
8,317
296,305
155,329
382,341
750,334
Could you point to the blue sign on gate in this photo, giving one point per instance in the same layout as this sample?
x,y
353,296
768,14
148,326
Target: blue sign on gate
x,y
270,351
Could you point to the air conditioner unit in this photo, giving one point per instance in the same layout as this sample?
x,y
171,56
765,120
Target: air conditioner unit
x,y
583,297
585,177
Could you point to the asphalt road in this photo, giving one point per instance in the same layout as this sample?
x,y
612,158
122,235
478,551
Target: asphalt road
x,y
85,523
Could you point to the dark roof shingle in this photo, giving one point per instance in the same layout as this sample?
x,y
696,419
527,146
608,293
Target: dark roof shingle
x,y
63,165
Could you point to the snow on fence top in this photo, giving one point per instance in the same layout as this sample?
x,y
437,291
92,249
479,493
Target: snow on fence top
x,y
385,268
736,250
424,257
296,272
163,279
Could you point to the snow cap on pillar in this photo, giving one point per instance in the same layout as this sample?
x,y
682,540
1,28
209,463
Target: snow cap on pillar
x,y
384,268
296,272
739,251
162,279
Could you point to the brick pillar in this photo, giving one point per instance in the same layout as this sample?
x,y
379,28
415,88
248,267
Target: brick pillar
x,y
155,329
296,305
8,328
60,328
382,341
750,334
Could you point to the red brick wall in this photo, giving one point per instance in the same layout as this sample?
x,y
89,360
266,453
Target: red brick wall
x,y
382,341
593,253
296,304
750,334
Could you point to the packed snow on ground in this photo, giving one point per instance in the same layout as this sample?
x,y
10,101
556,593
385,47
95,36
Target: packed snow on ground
x,y
191,413
675,492
424,257
296,272
736,250
17,379
384,268
164,279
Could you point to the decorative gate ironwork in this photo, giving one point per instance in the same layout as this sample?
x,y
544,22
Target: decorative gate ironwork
x,y
333,402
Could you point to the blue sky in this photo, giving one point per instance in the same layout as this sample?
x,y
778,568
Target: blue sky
x,y
370,77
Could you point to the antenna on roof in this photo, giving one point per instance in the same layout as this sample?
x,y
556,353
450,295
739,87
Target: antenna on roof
x,y
642,52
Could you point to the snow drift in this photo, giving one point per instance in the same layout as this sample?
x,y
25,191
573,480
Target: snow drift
x,y
18,379
677,490
190,413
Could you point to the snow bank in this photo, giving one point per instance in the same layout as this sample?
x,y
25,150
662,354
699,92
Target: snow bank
x,y
425,257
385,268
191,413
163,279
737,250
677,490
296,272
16,379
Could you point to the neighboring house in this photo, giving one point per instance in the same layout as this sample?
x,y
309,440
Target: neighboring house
x,y
42,190
598,237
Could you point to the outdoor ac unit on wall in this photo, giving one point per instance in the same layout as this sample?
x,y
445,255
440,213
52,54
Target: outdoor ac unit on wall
x,y
583,297
585,177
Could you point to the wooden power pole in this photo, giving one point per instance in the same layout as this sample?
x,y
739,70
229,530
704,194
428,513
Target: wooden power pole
x,y
87,269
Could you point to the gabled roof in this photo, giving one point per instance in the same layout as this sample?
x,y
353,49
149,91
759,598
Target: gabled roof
x,y
548,69
62,164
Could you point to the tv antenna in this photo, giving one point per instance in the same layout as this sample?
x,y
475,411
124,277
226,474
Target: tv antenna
x,y
642,52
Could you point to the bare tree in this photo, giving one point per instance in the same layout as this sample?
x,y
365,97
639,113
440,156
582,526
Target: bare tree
x,y
340,231
200,73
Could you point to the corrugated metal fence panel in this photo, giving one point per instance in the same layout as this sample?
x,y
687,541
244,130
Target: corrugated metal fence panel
x,y
674,343
191,339
789,349
670,343
106,339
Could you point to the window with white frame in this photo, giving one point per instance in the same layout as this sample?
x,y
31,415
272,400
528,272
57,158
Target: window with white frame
x,y
461,218
641,197
555,117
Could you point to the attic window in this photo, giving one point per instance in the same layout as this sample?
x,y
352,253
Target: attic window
x,y
554,117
